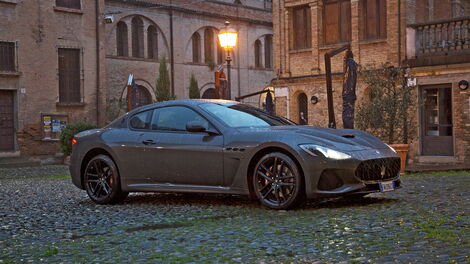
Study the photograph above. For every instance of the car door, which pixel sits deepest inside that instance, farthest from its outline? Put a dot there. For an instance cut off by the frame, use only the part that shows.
(174, 155)
(126, 144)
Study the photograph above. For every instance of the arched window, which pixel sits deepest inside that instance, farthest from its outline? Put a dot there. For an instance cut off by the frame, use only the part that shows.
(208, 45)
(303, 109)
(152, 42)
(258, 54)
(196, 41)
(268, 51)
(137, 37)
(121, 39)
(142, 97)
(209, 94)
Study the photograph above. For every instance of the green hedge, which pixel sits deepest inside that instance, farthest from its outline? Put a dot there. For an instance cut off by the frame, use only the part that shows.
(67, 134)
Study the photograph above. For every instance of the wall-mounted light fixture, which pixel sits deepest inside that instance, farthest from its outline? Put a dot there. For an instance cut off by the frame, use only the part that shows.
(314, 99)
(463, 85)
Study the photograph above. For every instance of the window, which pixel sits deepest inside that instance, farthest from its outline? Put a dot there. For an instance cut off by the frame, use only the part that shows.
(240, 115)
(69, 76)
(121, 39)
(196, 41)
(7, 56)
(268, 51)
(140, 120)
(68, 3)
(152, 42)
(302, 28)
(375, 19)
(208, 45)
(258, 54)
(137, 37)
(337, 21)
(175, 118)
(303, 109)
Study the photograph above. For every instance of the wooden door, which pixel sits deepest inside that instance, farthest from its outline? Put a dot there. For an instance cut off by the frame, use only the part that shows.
(436, 121)
(7, 128)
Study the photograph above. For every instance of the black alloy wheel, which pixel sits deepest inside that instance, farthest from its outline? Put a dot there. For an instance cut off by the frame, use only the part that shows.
(102, 181)
(277, 181)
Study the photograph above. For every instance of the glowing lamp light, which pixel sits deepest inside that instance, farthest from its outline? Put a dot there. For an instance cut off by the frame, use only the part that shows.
(74, 141)
(228, 37)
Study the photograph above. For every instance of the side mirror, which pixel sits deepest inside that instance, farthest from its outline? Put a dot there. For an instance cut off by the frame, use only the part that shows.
(195, 126)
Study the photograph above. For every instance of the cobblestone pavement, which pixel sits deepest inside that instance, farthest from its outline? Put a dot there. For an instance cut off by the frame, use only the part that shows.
(47, 219)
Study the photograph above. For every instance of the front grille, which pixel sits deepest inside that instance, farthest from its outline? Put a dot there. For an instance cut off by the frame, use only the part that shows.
(378, 169)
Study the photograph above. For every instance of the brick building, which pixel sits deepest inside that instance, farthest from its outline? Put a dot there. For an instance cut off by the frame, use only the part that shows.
(65, 61)
(144, 31)
(430, 36)
(50, 71)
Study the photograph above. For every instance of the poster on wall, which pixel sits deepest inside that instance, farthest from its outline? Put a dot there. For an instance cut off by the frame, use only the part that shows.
(52, 125)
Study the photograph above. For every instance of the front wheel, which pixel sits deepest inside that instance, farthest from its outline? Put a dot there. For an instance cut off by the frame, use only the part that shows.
(277, 181)
(102, 182)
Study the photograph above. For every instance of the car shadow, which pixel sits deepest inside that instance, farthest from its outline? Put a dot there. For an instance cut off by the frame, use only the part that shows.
(193, 199)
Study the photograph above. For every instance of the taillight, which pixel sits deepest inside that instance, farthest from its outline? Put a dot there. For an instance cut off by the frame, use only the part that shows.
(74, 141)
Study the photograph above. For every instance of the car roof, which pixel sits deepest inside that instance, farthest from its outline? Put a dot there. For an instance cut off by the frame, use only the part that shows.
(189, 102)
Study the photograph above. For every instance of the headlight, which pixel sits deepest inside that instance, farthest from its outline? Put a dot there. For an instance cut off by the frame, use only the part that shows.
(391, 148)
(320, 151)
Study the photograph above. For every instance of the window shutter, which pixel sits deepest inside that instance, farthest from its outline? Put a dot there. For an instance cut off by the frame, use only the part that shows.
(345, 20)
(258, 53)
(371, 19)
(331, 29)
(196, 39)
(268, 51)
(7, 56)
(383, 18)
(208, 45)
(121, 39)
(308, 28)
(152, 42)
(69, 76)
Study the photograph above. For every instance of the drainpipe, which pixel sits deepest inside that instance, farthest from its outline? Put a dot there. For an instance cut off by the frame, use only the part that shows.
(399, 32)
(172, 61)
(98, 77)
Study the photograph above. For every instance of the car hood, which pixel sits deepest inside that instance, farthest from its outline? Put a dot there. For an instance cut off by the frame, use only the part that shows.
(348, 140)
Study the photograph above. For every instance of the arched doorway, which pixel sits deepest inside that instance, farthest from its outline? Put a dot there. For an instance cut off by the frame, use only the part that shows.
(303, 109)
(209, 94)
(142, 96)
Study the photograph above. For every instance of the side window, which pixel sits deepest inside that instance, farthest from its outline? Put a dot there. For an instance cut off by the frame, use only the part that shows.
(141, 120)
(175, 118)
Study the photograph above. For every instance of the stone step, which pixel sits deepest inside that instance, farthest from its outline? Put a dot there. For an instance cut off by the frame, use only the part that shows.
(17, 162)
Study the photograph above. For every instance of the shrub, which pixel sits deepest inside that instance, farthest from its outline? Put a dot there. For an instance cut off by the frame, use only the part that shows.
(163, 82)
(193, 88)
(386, 111)
(67, 134)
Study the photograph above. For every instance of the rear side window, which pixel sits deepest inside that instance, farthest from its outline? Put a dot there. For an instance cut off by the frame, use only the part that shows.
(175, 118)
(141, 120)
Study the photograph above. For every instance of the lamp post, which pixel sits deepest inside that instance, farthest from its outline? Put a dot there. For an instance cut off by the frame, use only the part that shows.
(228, 40)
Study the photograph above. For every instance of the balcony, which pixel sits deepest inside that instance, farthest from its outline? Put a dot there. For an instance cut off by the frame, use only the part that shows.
(439, 42)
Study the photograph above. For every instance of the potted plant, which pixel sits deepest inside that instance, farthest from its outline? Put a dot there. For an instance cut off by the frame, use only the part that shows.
(386, 107)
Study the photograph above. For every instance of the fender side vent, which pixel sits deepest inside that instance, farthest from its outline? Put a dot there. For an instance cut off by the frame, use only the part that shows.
(348, 136)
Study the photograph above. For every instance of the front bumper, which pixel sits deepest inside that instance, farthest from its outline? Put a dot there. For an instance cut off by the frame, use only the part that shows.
(361, 174)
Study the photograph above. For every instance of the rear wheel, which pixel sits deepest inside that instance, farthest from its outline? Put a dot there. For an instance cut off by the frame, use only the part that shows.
(277, 181)
(102, 181)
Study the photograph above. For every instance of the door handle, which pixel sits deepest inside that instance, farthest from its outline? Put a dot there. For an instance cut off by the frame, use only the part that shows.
(149, 142)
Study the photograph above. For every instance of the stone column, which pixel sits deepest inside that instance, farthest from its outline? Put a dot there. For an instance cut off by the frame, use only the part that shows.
(316, 11)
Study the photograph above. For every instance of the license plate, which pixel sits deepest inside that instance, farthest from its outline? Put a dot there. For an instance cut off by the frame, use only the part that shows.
(386, 186)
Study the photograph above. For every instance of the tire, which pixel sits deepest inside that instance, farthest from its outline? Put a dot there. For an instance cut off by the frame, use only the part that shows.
(102, 181)
(277, 182)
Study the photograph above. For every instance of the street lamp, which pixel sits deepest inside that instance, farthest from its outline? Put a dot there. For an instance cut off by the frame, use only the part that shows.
(228, 41)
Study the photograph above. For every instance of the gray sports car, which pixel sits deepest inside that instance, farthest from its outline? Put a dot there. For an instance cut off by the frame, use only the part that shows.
(218, 146)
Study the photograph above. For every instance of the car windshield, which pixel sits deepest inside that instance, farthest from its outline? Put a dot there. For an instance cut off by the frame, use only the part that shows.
(241, 115)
